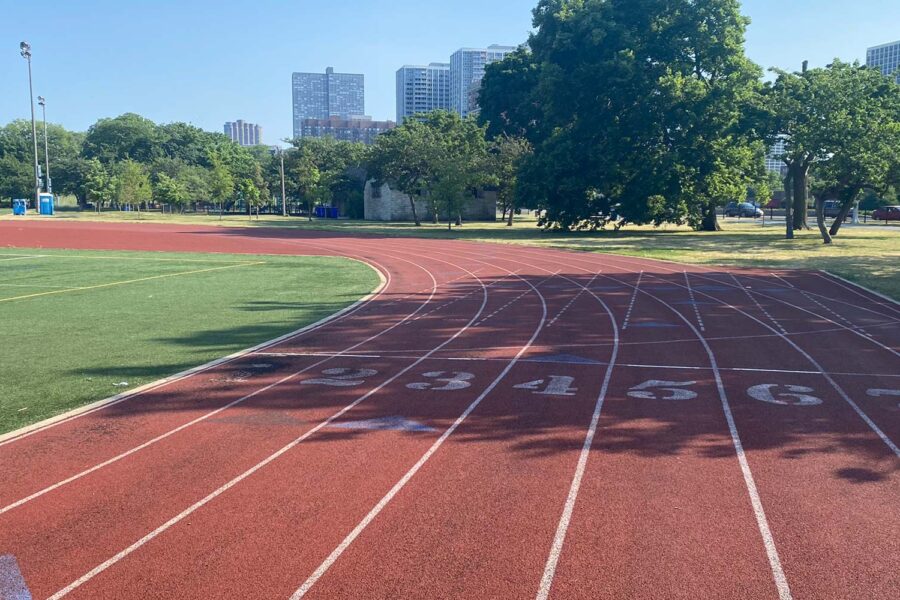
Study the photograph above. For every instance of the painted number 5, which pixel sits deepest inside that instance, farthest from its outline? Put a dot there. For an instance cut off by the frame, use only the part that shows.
(794, 395)
(648, 390)
(457, 380)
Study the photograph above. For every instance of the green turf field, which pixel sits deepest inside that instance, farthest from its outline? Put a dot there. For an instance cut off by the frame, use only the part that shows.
(79, 326)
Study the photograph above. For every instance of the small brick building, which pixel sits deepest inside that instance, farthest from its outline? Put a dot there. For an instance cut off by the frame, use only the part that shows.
(381, 203)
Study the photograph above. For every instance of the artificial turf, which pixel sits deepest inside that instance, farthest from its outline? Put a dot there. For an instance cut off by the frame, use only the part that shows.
(79, 326)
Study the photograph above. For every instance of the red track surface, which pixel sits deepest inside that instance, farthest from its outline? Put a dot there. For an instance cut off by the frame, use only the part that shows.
(729, 483)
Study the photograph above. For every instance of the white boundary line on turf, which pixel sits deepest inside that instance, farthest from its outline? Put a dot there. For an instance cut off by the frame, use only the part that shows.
(29, 430)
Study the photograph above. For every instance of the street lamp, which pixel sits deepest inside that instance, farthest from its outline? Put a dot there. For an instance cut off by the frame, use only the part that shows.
(25, 51)
(43, 102)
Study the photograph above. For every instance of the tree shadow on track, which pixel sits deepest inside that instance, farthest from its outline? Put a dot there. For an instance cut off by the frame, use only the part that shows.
(503, 420)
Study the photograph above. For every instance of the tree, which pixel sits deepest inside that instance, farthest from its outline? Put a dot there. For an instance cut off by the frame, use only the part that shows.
(400, 159)
(640, 111)
(506, 156)
(132, 184)
(221, 183)
(169, 190)
(841, 124)
(250, 194)
(99, 184)
(317, 167)
(125, 136)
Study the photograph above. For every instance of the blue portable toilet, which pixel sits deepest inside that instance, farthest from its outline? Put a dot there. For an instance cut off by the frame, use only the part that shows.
(45, 202)
(19, 206)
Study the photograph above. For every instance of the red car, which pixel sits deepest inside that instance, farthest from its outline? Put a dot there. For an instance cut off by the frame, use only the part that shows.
(887, 213)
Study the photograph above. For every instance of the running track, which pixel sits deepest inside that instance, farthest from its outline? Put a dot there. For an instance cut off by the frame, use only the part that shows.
(494, 422)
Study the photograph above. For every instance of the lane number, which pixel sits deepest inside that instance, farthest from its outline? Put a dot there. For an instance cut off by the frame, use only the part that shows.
(649, 390)
(877, 393)
(457, 380)
(559, 385)
(793, 395)
(341, 377)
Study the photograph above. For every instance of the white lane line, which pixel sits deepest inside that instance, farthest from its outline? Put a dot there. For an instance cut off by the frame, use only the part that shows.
(891, 304)
(758, 305)
(23, 257)
(631, 304)
(345, 543)
(221, 490)
(206, 416)
(694, 301)
(569, 507)
(570, 302)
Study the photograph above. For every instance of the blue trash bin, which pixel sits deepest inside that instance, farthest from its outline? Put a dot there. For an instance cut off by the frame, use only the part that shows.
(320, 212)
(19, 206)
(45, 202)
(332, 212)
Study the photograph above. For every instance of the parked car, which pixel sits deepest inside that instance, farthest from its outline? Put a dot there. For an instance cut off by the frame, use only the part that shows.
(886, 213)
(742, 209)
(833, 209)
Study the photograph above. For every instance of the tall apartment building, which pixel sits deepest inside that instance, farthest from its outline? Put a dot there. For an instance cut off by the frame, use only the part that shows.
(363, 129)
(885, 57)
(326, 95)
(422, 89)
(245, 134)
(774, 163)
(466, 72)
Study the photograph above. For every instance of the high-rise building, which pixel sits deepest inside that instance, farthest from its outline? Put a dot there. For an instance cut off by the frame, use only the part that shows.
(349, 130)
(245, 134)
(774, 163)
(885, 57)
(422, 89)
(326, 95)
(466, 71)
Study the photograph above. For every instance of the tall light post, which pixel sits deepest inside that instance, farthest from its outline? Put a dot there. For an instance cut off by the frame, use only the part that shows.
(25, 50)
(49, 185)
(283, 200)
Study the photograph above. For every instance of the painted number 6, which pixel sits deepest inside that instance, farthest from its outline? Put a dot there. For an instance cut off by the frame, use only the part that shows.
(795, 395)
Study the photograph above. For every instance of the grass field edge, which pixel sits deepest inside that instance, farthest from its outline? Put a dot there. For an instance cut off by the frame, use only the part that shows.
(28, 430)
(861, 286)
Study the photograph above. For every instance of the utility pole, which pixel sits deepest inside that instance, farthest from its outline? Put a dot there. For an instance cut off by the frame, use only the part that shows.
(25, 51)
(283, 200)
(48, 184)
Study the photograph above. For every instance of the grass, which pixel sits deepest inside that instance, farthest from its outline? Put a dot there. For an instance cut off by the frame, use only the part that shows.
(868, 255)
(81, 326)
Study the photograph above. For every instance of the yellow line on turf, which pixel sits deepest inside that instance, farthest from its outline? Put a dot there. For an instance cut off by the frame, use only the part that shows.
(115, 283)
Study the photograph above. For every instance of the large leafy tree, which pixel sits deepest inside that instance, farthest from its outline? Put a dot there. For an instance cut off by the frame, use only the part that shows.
(126, 136)
(640, 111)
(841, 124)
(133, 184)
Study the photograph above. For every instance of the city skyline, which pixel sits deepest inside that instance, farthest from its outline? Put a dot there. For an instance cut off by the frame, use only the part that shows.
(84, 80)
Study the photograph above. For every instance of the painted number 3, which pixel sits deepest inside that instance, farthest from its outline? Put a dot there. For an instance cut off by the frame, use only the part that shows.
(457, 380)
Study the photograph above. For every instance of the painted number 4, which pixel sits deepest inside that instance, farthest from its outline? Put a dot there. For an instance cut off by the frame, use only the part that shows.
(559, 385)
(652, 390)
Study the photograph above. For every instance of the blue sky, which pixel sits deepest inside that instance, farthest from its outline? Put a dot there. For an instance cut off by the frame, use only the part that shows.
(206, 62)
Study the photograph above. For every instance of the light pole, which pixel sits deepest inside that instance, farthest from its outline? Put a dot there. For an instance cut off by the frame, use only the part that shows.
(283, 201)
(25, 50)
(49, 185)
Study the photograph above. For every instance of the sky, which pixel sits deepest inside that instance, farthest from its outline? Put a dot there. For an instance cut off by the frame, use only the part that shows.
(206, 62)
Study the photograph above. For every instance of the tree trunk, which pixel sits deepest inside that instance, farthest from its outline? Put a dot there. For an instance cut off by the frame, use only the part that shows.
(820, 219)
(458, 219)
(846, 207)
(710, 218)
(800, 180)
(510, 220)
(415, 213)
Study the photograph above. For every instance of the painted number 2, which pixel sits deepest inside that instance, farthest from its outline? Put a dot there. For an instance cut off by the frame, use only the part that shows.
(649, 390)
(457, 380)
(793, 395)
(560, 385)
(341, 377)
